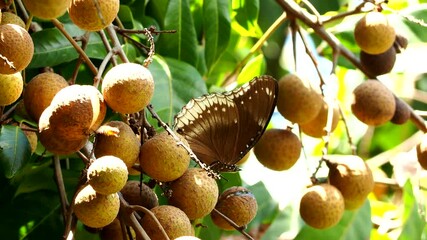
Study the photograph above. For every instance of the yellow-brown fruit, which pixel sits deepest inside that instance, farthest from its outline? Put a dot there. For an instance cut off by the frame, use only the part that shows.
(173, 220)
(11, 86)
(139, 194)
(16, 48)
(73, 112)
(89, 16)
(278, 149)
(195, 193)
(5, 3)
(402, 113)
(40, 91)
(297, 101)
(163, 159)
(32, 139)
(96, 210)
(112, 231)
(244, 159)
(107, 174)
(322, 206)
(11, 18)
(422, 152)
(317, 127)
(124, 145)
(128, 87)
(57, 145)
(374, 34)
(378, 64)
(373, 103)
(352, 176)
(47, 9)
(238, 204)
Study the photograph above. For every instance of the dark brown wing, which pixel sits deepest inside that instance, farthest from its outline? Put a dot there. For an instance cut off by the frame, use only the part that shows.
(224, 127)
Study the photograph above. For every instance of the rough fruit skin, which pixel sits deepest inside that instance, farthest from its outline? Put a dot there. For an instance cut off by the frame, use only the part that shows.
(107, 174)
(402, 113)
(49, 84)
(11, 18)
(374, 34)
(128, 88)
(238, 204)
(378, 64)
(32, 139)
(73, 112)
(86, 15)
(322, 206)
(373, 104)
(297, 101)
(125, 146)
(162, 159)
(195, 193)
(278, 149)
(16, 46)
(112, 231)
(96, 210)
(352, 176)
(316, 127)
(136, 194)
(11, 86)
(173, 220)
(47, 9)
(422, 152)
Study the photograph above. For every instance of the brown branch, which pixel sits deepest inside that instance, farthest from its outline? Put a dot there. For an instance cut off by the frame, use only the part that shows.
(61, 187)
(232, 223)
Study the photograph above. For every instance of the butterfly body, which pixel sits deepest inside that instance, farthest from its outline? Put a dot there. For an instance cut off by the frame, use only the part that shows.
(222, 127)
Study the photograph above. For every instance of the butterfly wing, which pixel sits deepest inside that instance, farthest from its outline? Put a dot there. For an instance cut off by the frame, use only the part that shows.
(255, 102)
(209, 124)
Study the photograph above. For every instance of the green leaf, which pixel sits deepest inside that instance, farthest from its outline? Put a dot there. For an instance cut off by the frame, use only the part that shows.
(176, 82)
(181, 45)
(14, 150)
(353, 225)
(255, 67)
(51, 48)
(413, 224)
(217, 29)
(246, 16)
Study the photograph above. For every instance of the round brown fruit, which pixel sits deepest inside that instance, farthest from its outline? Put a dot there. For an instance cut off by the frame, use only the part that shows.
(402, 112)
(112, 231)
(96, 210)
(107, 174)
(373, 103)
(128, 87)
(11, 18)
(317, 127)
(352, 176)
(49, 84)
(173, 220)
(32, 139)
(374, 34)
(297, 101)
(322, 206)
(11, 86)
(16, 46)
(73, 112)
(278, 149)
(124, 144)
(378, 64)
(163, 159)
(238, 204)
(89, 16)
(195, 193)
(136, 193)
(47, 9)
(422, 152)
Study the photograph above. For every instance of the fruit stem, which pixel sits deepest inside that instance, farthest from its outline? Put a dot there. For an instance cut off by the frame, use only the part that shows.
(232, 223)
(61, 187)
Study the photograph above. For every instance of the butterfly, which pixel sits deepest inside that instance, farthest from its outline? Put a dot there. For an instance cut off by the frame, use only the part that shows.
(222, 127)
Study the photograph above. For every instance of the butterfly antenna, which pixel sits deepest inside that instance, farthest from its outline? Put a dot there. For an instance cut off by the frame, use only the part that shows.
(211, 172)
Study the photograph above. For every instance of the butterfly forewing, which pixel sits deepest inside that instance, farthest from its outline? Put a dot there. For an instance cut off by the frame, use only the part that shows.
(222, 128)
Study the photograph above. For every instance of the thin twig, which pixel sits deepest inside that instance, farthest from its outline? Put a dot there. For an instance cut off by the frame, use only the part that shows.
(61, 187)
(116, 43)
(107, 45)
(232, 223)
(128, 212)
(85, 42)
